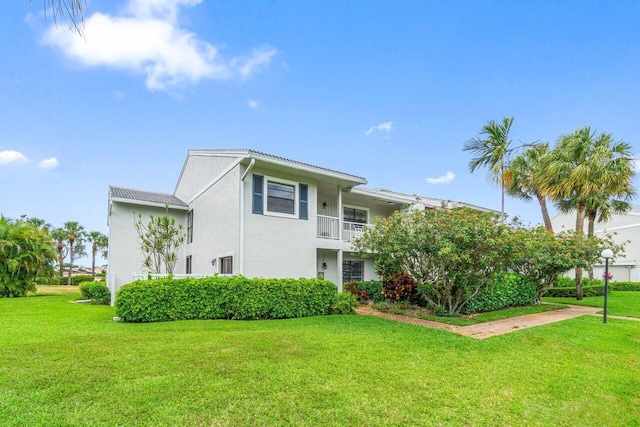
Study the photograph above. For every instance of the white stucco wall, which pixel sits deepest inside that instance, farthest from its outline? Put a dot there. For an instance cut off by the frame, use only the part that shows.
(125, 257)
(216, 224)
(276, 246)
(198, 171)
(623, 228)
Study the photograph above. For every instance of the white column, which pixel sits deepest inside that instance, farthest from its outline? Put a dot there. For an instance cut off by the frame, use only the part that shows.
(339, 262)
(340, 225)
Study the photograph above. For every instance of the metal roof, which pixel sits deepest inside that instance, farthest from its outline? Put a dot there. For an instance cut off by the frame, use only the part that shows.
(249, 152)
(145, 196)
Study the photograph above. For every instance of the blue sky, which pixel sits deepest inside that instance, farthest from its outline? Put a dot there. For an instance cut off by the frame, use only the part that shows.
(386, 90)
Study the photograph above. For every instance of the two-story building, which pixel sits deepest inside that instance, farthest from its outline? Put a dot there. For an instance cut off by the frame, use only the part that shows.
(258, 215)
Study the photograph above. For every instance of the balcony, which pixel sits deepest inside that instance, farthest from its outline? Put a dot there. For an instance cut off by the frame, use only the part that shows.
(329, 228)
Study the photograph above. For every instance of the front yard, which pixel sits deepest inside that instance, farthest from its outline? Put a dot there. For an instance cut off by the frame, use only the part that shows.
(69, 364)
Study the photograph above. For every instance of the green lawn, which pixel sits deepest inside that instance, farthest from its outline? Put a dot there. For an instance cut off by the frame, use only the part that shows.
(67, 364)
(620, 303)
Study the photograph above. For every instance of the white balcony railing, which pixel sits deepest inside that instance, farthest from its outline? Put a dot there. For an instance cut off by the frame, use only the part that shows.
(329, 228)
(352, 230)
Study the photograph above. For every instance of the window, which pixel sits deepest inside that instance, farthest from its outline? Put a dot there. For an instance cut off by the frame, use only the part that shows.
(352, 271)
(281, 198)
(358, 216)
(226, 265)
(190, 226)
(188, 265)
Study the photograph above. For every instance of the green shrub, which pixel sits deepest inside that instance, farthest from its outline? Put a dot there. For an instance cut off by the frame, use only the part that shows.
(564, 282)
(595, 282)
(625, 286)
(97, 292)
(234, 297)
(507, 290)
(366, 291)
(570, 292)
(344, 303)
(76, 280)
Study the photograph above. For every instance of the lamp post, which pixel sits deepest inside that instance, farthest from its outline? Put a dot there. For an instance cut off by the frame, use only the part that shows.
(606, 254)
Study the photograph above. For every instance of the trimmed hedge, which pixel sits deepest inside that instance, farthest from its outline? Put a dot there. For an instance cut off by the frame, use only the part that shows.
(97, 292)
(625, 286)
(570, 291)
(233, 297)
(76, 280)
(508, 290)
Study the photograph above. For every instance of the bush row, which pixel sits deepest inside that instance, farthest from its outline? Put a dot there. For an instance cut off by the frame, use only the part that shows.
(224, 298)
(370, 290)
(97, 292)
(570, 291)
(625, 286)
(508, 290)
(568, 282)
(76, 280)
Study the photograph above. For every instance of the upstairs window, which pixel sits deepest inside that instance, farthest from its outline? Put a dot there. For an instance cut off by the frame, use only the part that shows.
(281, 198)
(359, 216)
(190, 226)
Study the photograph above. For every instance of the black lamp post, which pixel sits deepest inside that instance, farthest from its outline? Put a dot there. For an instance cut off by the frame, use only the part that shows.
(606, 254)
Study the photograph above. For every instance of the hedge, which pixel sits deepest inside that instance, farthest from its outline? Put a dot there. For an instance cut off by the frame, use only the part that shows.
(234, 297)
(97, 292)
(508, 290)
(625, 286)
(76, 280)
(366, 291)
(570, 291)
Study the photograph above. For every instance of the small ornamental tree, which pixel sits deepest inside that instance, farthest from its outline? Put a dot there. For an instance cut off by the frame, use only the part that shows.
(543, 256)
(26, 256)
(451, 253)
(159, 241)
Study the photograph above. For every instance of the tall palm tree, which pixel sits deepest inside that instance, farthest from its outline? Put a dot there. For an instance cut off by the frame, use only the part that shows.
(75, 238)
(98, 242)
(69, 11)
(587, 171)
(60, 239)
(491, 150)
(523, 178)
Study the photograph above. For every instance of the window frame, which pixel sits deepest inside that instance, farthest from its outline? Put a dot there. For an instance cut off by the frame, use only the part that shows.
(221, 264)
(357, 208)
(296, 197)
(351, 262)
(188, 265)
(190, 226)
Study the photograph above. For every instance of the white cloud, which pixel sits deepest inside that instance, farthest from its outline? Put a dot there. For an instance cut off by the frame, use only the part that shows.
(382, 127)
(51, 163)
(11, 157)
(444, 179)
(147, 39)
(253, 104)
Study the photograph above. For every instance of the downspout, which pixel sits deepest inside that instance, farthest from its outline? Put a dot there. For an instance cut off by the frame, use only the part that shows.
(241, 249)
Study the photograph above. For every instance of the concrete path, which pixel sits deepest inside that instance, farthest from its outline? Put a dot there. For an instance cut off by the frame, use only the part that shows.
(496, 327)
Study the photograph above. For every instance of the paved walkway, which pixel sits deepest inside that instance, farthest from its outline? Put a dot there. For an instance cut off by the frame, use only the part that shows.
(496, 327)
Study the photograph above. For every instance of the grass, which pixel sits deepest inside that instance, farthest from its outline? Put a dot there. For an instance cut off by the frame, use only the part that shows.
(69, 365)
(422, 313)
(620, 303)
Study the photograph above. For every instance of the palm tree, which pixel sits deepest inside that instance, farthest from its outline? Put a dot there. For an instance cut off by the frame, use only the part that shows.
(59, 236)
(491, 150)
(70, 11)
(523, 178)
(75, 236)
(588, 171)
(98, 242)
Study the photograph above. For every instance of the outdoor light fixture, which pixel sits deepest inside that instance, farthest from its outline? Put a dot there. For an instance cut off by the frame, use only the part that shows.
(324, 205)
(213, 262)
(606, 254)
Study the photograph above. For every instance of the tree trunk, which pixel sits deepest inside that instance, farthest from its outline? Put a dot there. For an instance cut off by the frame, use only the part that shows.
(70, 263)
(545, 213)
(591, 220)
(580, 208)
(502, 187)
(94, 249)
(61, 263)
